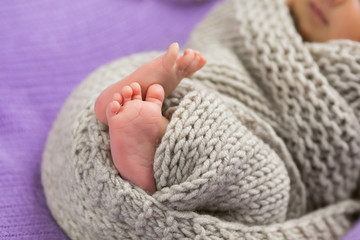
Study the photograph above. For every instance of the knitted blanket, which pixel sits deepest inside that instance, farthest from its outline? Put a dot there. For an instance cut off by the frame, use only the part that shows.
(263, 142)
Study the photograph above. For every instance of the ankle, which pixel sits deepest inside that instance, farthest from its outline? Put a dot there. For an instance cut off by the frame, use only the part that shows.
(164, 124)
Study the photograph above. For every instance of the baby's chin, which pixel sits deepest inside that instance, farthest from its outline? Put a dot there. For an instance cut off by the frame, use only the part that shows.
(307, 33)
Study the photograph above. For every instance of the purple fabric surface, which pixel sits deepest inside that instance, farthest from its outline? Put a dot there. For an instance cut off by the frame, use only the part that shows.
(46, 49)
(354, 234)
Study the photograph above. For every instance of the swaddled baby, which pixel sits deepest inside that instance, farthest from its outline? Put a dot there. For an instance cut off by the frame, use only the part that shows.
(132, 106)
(262, 143)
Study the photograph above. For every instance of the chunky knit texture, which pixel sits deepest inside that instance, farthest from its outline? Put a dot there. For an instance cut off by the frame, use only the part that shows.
(262, 143)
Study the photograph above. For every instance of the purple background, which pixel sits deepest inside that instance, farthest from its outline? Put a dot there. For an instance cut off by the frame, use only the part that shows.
(46, 49)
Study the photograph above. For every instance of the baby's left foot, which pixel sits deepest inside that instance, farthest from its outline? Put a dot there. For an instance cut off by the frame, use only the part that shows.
(134, 127)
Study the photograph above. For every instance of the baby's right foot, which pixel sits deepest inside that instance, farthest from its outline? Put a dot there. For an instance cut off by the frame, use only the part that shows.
(134, 127)
(166, 70)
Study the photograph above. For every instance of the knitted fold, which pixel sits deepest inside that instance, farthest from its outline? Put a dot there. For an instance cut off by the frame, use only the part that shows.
(209, 161)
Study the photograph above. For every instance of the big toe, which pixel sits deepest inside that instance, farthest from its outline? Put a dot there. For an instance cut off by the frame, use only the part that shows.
(155, 94)
(171, 55)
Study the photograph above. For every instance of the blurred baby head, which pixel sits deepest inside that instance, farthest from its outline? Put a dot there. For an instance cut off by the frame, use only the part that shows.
(323, 20)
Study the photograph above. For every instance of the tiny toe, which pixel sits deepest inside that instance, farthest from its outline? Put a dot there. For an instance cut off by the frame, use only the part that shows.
(126, 93)
(117, 97)
(193, 66)
(112, 109)
(155, 94)
(202, 62)
(198, 62)
(136, 91)
(184, 61)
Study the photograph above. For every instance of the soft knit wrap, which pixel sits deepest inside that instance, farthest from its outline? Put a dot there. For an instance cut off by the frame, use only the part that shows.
(263, 142)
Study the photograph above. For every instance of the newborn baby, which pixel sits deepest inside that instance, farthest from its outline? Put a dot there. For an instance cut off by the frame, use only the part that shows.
(132, 106)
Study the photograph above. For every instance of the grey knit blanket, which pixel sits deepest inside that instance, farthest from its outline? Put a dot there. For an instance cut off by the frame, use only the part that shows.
(263, 142)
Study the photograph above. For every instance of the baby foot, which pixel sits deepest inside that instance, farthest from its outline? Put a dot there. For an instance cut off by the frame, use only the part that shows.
(166, 70)
(134, 127)
(178, 67)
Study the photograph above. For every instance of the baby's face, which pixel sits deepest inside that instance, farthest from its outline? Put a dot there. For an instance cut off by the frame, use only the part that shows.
(322, 20)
